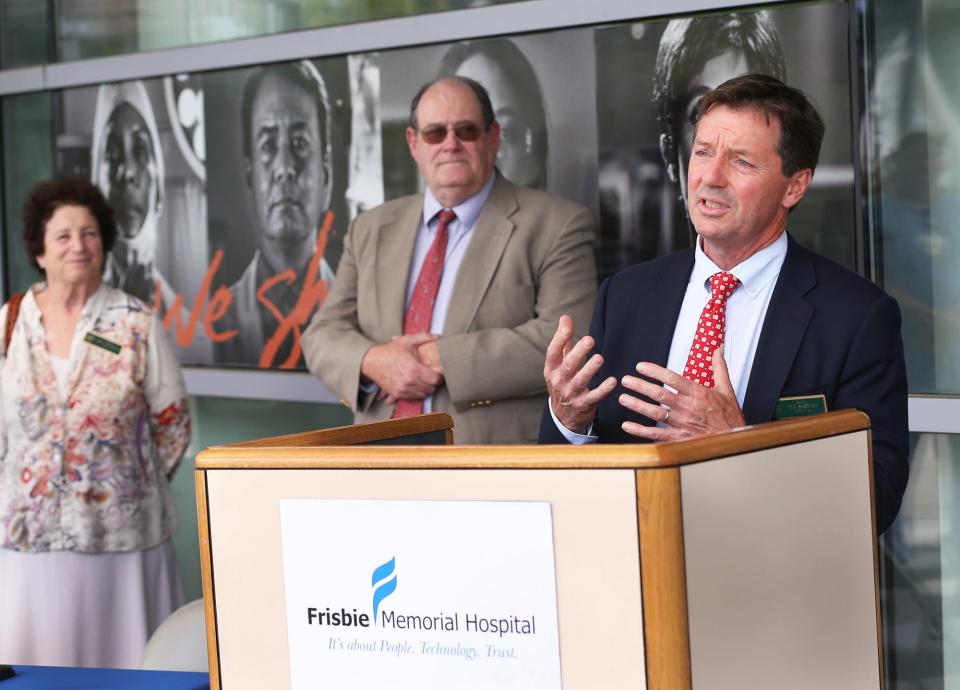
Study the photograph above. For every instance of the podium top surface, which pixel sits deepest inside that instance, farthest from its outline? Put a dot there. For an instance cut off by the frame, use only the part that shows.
(277, 454)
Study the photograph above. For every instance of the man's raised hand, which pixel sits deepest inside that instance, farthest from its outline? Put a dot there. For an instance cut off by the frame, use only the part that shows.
(568, 378)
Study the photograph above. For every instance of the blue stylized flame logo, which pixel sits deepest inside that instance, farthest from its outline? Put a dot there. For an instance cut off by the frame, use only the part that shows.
(383, 587)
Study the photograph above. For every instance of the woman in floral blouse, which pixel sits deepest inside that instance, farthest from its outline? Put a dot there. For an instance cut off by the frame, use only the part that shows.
(94, 421)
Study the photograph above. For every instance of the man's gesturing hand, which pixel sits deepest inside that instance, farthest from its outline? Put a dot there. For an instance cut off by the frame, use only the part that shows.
(395, 368)
(692, 411)
(567, 377)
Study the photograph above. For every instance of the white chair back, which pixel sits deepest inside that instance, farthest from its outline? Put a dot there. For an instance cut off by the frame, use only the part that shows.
(180, 643)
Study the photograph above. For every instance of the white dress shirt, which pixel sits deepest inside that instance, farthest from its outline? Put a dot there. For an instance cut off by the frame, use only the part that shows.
(746, 310)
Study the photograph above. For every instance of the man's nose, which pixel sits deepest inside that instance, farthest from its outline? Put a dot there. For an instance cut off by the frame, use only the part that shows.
(713, 172)
(284, 165)
(126, 172)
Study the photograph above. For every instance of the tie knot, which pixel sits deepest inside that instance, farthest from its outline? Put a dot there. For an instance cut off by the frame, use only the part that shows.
(445, 217)
(722, 285)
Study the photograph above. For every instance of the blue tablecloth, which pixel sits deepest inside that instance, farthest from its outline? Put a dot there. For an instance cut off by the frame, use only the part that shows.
(57, 678)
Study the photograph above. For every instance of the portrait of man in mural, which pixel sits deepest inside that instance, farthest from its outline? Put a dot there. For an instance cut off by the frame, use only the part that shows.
(286, 133)
(696, 55)
(127, 164)
(517, 101)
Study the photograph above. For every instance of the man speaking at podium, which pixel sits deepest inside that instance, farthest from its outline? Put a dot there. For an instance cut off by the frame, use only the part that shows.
(746, 327)
(445, 301)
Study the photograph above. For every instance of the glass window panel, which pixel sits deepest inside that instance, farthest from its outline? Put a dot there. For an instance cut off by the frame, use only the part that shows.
(914, 104)
(95, 29)
(27, 158)
(919, 569)
(23, 33)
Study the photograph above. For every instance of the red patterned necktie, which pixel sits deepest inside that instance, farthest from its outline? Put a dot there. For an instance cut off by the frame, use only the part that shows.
(420, 310)
(710, 330)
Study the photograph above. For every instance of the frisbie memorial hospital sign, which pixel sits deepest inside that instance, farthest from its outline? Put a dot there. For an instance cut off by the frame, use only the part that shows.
(420, 594)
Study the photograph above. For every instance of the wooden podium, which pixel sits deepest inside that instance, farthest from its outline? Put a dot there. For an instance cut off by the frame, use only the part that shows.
(738, 560)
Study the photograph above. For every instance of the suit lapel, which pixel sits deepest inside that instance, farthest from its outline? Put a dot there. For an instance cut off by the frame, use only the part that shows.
(785, 324)
(648, 309)
(482, 257)
(395, 240)
(662, 306)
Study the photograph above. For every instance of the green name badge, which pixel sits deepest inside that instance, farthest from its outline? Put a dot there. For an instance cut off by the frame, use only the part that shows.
(99, 341)
(800, 406)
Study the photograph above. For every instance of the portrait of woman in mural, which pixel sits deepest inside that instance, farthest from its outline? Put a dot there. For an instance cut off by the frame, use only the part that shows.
(517, 101)
(127, 164)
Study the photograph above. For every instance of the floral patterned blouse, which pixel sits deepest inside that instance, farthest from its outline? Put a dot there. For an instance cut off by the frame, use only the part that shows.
(89, 471)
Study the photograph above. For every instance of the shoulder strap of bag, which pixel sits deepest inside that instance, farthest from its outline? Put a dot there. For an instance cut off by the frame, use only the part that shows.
(13, 310)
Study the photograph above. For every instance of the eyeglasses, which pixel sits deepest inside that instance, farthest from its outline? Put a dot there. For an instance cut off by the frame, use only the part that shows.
(435, 135)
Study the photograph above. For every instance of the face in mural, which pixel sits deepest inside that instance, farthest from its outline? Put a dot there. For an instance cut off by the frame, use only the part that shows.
(286, 170)
(132, 175)
(716, 71)
(520, 158)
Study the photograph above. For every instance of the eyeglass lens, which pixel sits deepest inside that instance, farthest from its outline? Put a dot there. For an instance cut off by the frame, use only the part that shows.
(435, 135)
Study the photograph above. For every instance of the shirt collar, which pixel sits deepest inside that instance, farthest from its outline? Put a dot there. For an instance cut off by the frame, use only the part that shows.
(755, 272)
(90, 308)
(467, 211)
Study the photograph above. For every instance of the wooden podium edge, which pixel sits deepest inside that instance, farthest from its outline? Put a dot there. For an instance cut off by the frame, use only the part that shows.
(278, 454)
(357, 433)
(876, 557)
(663, 579)
(762, 436)
(206, 576)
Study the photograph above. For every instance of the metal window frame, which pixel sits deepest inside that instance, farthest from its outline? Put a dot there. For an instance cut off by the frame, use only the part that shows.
(384, 34)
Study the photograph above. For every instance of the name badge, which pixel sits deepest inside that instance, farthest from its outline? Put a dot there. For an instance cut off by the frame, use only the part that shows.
(102, 342)
(800, 406)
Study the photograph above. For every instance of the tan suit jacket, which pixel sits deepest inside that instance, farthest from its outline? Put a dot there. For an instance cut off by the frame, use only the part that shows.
(529, 261)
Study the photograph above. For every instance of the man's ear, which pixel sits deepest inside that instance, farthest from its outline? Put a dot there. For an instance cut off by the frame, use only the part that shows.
(495, 137)
(411, 140)
(327, 183)
(797, 186)
(667, 158)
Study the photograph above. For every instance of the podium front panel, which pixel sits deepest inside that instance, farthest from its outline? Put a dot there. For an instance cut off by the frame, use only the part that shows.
(595, 529)
(780, 568)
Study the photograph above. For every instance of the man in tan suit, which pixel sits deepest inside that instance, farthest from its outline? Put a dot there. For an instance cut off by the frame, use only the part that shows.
(513, 260)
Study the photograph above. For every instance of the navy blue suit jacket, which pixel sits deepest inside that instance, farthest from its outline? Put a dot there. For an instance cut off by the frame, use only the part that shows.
(827, 330)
